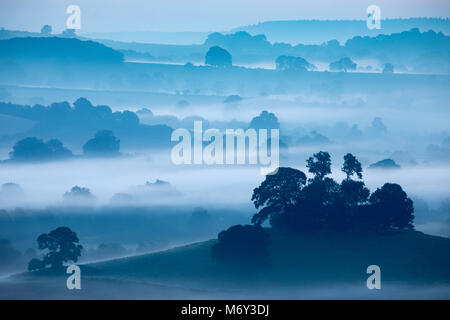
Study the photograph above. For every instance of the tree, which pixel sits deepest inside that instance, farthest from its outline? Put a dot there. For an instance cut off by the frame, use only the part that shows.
(83, 105)
(46, 29)
(354, 193)
(276, 193)
(103, 144)
(70, 33)
(313, 208)
(216, 56)
(352, 166)
(319, 164)
(79, 196)
(284, 63)
(62, 245)
(343, 64)
(377, 126)
(265, 120)
(391, 208)
(130, 119)
(34, 149)
(35, 265)
(388, 68)
(242, 245)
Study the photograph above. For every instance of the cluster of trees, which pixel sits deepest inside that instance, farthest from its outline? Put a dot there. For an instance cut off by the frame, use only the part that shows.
(242, 245)
(76, 124)
(292, 203)
(104, 144)
(408, 47)
(82, 115)
(32, 149)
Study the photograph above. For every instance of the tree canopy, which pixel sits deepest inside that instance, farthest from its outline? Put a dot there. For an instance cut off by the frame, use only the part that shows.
(103, 144)
(352, 166)
(291, 202)
(290, 63)
(343, 64)
(61, 245)
(243, 245)
(34, 149)
(219, 57)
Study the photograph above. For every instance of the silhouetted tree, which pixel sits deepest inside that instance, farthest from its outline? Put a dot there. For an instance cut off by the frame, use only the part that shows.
(276, 193)
(70, 33)
(284, 63)
(219, 57)
(46, 29)
(265, 120)
(343, 64)
(79, 196)
(242, 245)
(130, 118)
(33, 149)
(354, 192)
(35, 265)
(82, 105)
(319, 164)
(391, 208)
(388, 68)
(313, 207)
(103, 144)
(352, 166)
(62, 245)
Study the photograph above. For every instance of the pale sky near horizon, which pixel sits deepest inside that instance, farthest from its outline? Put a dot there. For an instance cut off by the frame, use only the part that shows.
(199, 15)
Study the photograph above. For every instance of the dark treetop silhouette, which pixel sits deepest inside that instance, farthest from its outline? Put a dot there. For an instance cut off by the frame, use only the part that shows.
(293, 203)
(290, 202)
(103, 144)
(62, 245)
(216, 56)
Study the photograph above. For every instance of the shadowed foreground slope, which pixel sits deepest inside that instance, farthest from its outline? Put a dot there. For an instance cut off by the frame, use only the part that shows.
(413, 265)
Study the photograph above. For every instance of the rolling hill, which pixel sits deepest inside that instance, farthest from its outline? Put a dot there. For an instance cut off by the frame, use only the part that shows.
(413, 265)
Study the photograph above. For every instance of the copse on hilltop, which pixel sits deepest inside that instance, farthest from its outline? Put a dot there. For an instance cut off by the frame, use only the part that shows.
(292, 202)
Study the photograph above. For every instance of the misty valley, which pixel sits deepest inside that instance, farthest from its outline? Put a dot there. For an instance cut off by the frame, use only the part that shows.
(259, 162)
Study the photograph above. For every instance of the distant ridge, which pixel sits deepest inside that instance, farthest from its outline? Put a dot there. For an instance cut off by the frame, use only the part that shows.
(319, 31)
(58, 49)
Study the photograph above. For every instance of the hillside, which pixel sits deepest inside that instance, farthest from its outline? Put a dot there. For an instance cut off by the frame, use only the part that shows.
(413, 265)
(57, 49)
(410, 257)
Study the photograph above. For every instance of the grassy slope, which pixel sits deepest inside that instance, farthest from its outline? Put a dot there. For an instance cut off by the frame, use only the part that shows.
(304, 259)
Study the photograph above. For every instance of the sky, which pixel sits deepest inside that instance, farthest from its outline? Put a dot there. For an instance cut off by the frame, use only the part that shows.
(199, 15)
